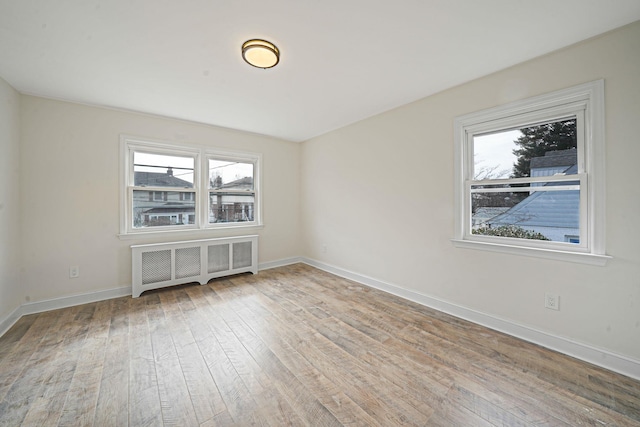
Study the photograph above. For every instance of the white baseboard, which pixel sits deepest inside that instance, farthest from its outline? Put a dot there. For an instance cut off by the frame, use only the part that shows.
(279, 263)
(70, 301)
(10, 320)
(62, 302)
(603, 358)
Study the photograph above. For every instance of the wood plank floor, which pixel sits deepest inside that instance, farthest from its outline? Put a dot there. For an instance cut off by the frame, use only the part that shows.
(290, 346)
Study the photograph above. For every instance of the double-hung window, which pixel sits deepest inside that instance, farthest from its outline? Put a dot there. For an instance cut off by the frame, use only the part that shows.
(530, 176)
(170, 187)
(232, 194)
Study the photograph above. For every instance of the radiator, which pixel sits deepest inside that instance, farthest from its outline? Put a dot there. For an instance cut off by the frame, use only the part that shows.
(167, 264)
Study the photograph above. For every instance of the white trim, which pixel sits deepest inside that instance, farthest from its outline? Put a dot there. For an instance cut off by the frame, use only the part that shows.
(554, 254)
(279, 263)
(586, 102)
(10, 320)
(595, 162)
(196, 233)
(575, 94)
(604, 358)
(73, 300)
(256, 160)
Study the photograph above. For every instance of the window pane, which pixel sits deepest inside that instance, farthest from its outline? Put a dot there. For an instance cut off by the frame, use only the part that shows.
(158, 170)
(541, 215)
(230, 175)
(541, 150)
(231, 207)
(163, 208)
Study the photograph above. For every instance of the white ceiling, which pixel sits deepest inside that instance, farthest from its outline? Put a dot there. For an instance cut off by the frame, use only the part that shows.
(341, 61)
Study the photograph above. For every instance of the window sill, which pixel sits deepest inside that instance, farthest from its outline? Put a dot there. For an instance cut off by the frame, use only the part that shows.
(189, 233)
(577, 257)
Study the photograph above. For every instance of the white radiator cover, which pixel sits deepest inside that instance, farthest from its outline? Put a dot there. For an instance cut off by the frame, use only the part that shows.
(167, 264)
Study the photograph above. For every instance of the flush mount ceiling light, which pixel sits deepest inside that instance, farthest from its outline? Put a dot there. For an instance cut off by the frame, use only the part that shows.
(260, 53)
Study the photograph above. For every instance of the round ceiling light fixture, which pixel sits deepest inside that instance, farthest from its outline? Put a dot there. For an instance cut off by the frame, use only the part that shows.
(260, 53)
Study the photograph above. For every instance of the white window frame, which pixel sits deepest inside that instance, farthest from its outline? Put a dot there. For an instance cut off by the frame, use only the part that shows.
(131, 144)
(586, 103)
(240, 157)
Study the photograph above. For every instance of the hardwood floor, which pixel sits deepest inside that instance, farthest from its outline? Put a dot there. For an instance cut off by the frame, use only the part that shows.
(290, 346)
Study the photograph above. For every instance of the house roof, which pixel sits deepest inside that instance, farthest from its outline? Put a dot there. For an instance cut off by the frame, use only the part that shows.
(241, 184)
(485, 213)
(171, 209)
(559, 209)
(156, 179)
(543, 209)
(246, 181)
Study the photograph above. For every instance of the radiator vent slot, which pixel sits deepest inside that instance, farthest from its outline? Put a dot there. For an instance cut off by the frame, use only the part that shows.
(242, 254)
(187, 262)
(156, 266)
(218, 258)
(166, 264)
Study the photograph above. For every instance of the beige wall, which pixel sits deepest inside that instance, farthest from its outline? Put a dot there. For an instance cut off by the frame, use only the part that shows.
(379, 195)
(69, 181)
(10, 285)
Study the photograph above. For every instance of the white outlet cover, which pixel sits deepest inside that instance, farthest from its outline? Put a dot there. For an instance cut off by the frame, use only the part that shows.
(74, 271)
(552, 301)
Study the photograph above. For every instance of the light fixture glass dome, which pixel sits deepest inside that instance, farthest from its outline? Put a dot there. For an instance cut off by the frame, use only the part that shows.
(260, 53)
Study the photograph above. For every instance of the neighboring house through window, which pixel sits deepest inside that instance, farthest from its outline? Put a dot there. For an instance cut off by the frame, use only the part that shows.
(530, 176)
(170, 187)
(231, 191)
(553, 215)
(162, 207)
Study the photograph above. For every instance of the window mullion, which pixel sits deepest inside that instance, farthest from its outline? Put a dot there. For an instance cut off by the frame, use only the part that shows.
(203, 196)
(586, 238)
(160, 188)
(528, 180)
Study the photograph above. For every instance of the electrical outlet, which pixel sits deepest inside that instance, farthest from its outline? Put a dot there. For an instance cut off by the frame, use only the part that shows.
(552, 301)
(74, 271)
(324, 249)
